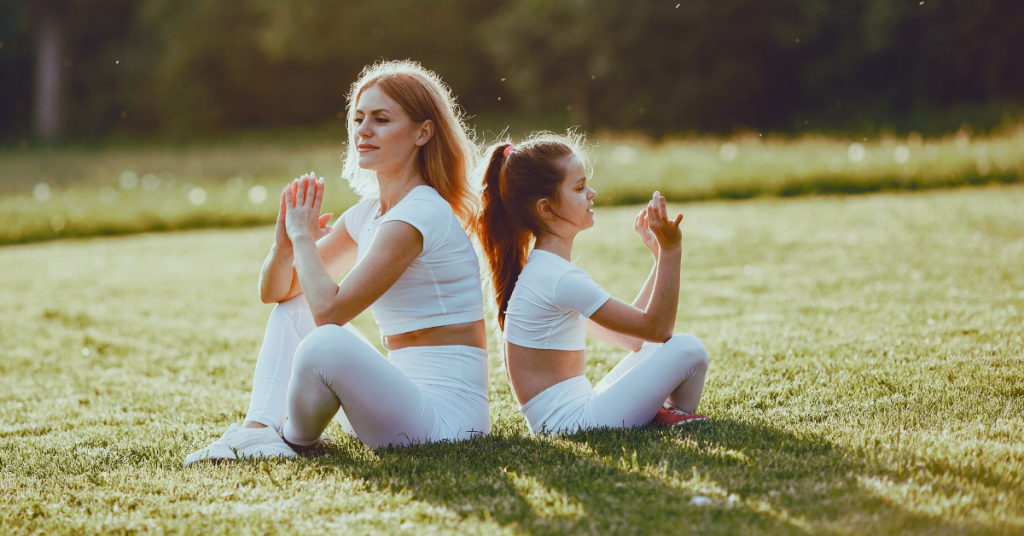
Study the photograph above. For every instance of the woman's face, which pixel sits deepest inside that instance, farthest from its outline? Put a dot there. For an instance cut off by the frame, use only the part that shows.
(386, 139)
(576, 202)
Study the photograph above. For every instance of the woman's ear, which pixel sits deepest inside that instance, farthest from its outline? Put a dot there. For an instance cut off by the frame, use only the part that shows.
(426, 132)
(545, 210)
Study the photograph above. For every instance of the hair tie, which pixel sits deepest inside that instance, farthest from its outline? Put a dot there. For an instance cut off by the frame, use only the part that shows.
(509, 149)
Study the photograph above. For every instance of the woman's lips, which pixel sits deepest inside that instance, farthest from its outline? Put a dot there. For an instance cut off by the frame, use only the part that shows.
(366, 148)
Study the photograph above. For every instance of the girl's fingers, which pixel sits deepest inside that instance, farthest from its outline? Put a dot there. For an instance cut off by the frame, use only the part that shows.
(679, 219)
(284, 208)
(289, 198)
(325, 219)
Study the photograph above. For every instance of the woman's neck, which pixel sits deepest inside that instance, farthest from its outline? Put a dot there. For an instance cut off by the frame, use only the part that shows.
(395, 185)
(559, 245)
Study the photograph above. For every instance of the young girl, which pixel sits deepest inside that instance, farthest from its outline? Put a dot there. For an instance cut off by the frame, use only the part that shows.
(538, 192)
(408, 259)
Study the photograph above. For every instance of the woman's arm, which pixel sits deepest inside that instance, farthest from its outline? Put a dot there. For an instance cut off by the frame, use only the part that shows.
(278, 281)
(656, 321)
(395, 246)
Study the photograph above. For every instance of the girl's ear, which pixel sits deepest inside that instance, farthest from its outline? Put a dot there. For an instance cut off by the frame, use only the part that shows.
(545, 210)
(426, 132)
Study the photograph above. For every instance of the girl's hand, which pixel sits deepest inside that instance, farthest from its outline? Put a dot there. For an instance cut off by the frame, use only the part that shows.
(303, 199)
(665, 231)
(641, 228)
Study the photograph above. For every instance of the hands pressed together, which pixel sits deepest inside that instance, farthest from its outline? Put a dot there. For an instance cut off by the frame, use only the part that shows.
(299, 214)
(655, 229)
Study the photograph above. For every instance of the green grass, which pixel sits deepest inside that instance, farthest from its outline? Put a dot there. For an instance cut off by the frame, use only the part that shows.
(83, 195)
(866, 357)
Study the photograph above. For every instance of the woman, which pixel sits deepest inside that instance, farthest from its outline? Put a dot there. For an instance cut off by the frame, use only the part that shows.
(408, 259)
(538, 192)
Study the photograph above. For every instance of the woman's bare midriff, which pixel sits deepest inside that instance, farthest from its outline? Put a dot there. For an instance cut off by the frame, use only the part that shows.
(467, 334)
(531, 370)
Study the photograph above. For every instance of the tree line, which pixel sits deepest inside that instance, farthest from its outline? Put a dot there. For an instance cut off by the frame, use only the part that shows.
(82, 68)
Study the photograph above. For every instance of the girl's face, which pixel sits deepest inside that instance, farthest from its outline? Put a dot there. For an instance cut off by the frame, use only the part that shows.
(576, 202)
(386, 139)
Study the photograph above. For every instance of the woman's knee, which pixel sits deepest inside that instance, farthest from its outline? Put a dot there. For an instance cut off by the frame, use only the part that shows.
(690, 350)
(324, 346)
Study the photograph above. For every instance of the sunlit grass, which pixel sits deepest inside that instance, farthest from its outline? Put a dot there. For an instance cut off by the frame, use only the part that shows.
(53, 193)
(866, 357)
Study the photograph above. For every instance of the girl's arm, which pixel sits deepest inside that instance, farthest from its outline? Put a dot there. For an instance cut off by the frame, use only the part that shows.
(620, 340)
(656, 321)
(395, 246)
(278, 281)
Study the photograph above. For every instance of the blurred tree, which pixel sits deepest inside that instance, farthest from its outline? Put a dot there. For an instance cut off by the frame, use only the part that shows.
(657, 66)
(714, 65)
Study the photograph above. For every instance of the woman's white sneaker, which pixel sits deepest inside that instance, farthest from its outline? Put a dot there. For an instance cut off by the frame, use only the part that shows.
(240, 443)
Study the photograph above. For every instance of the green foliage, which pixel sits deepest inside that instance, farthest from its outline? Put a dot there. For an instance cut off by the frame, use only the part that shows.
(711, 65)
(865, 379)
(183, 67)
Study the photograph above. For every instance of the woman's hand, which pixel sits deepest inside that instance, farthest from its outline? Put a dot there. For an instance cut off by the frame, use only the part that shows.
(302, 201)
(664, 230)
(281, 240)
(641, 228)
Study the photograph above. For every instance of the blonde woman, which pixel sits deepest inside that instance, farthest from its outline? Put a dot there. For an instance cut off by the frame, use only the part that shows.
(407, 258)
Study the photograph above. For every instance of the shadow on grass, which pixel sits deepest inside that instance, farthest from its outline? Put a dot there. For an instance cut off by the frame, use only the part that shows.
(757, 478)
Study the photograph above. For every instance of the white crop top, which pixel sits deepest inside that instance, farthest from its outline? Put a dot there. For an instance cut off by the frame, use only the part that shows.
(550, 304)
(442, 285)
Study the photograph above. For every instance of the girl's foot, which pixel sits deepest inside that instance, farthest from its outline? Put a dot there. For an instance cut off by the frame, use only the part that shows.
(670, 416)
(240, 443)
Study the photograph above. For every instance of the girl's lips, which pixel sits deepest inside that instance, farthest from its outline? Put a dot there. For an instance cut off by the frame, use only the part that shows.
(366, 148)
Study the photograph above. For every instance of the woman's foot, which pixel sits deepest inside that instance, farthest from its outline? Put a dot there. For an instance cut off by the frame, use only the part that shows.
(670, 416)
(240, 443)
(316, 450)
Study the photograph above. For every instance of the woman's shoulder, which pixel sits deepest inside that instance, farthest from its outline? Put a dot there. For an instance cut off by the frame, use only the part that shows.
(360, 212)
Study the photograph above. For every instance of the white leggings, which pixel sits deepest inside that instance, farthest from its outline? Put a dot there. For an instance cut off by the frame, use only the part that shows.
(423, 393)
(630, 394)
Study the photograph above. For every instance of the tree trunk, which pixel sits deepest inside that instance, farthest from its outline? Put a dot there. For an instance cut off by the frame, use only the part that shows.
(50, 77)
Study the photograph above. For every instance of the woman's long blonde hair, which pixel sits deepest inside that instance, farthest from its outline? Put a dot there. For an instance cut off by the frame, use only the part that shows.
(446, 160)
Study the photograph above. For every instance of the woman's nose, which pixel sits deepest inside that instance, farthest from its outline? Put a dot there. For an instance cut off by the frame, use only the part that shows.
(365, 130)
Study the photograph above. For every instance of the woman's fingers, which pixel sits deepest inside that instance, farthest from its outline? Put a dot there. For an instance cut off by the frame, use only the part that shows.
(325, 219)
(318, 201)
(679, 219)
(289, 195)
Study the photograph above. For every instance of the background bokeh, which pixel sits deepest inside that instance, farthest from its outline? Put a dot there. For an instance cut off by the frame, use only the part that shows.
(93, 69)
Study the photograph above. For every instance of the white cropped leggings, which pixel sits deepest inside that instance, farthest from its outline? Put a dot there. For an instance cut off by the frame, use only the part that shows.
(630, 394)
(313, 374)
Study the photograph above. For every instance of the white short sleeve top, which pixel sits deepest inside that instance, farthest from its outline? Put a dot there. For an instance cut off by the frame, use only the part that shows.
(550, 304)
(442, 285)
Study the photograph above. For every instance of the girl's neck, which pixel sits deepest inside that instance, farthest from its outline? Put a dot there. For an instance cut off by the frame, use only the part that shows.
(558, 245)
(395, 185)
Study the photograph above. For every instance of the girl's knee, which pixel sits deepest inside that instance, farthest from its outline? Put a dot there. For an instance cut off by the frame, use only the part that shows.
(690, 349)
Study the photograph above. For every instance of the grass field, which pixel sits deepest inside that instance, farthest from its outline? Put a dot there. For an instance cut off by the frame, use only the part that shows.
(866, 378)
(55, 192)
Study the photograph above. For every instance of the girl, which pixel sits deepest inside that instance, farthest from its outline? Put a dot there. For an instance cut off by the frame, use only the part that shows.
(408, 259)
(538, 192)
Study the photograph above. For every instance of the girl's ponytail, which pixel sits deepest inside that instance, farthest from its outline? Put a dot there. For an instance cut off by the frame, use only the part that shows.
(505, 242)
(515, 178)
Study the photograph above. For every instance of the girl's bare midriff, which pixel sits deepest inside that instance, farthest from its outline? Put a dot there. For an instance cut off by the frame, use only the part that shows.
(466, 334)
(532, 370)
